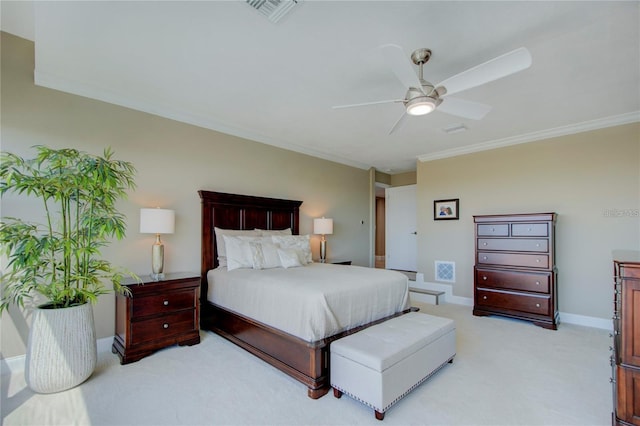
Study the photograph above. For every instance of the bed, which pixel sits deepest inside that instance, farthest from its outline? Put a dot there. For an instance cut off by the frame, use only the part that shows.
(304, 357)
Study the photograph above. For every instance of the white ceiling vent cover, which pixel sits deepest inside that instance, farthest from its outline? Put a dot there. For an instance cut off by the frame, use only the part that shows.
(274, 10)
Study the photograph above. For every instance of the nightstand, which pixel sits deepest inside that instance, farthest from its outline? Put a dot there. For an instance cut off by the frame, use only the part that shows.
(335, 261)
(157, 314)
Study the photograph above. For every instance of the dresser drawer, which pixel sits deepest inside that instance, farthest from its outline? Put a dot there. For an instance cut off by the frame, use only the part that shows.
(522, 281)
(163, 303)
(529, 230)
(519, 244)
(158, 328)
(494, 229)
(532, 304)
(513, 259)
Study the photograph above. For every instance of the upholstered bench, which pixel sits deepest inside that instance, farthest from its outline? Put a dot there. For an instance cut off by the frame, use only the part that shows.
(381, 364)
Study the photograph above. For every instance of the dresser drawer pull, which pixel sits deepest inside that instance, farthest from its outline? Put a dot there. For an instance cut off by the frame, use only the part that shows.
(537, 260)
(537, 282)
(484, 257)
(165, 303)
(484, 244)
(484, 277)
(165, 325)
(484, 297)
(537, 305)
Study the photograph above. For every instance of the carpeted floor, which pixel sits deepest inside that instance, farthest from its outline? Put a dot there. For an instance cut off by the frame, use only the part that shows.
(506, 372)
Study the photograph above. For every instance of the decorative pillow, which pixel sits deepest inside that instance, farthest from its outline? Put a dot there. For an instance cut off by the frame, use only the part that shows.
(268, 232)
(290, 257)
(222, 252)
(300, 242)
(239, 253)
(264, 253)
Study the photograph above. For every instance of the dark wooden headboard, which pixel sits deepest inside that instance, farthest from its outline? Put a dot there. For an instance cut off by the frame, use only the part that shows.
(233, 211)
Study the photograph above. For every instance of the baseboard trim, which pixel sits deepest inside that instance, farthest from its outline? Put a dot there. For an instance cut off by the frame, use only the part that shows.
(15, 364)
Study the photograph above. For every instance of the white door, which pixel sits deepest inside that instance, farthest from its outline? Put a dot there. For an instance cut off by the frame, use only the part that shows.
(401, 224)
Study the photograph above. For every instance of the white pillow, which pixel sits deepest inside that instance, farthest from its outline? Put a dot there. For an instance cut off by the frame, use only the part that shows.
(300, 242)
(290, 257)
(239, 253)
(268, 232)
(264, 252)
(220, 233)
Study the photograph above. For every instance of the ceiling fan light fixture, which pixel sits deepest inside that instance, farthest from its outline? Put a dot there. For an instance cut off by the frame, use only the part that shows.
(420, 106)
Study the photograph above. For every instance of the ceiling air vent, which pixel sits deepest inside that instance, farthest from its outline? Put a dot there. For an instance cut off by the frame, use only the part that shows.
(274, 10)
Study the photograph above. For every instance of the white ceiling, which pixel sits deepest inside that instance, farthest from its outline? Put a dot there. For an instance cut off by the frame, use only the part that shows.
(223, 66)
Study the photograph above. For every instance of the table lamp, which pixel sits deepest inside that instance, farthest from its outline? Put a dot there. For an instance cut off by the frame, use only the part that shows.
(323, 226)
(157, 221)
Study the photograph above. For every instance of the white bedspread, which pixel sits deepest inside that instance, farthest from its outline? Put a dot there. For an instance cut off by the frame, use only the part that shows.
(310, 302)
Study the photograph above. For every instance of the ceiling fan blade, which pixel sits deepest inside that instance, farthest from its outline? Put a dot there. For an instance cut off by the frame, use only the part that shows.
(464, 108)
(400, 65)
(502, 66)
(399, 123)
(367, 103)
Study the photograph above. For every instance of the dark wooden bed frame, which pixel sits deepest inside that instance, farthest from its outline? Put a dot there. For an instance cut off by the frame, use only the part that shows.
(307, 362)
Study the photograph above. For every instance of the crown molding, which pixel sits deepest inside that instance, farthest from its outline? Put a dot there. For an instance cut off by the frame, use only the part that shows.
(600, 123)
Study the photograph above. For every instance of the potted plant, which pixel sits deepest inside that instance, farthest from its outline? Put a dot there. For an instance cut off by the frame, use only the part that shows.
(60, 258)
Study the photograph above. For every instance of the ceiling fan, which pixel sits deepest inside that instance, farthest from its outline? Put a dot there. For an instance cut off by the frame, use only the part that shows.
(422, 97)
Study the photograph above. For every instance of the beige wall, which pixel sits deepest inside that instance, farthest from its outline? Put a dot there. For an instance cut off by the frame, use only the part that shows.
(173, 161)
(592, 180)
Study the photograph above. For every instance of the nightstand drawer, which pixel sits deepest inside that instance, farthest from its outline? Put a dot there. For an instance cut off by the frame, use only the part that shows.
(522, 281)
(162, 327)
(539, 305)
(163, 303)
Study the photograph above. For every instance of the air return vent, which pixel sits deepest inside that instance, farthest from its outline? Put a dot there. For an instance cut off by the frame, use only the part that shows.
(274, 10)
(445, 271)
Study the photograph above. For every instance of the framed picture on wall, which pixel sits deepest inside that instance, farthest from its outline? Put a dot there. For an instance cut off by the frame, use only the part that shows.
(446, 209)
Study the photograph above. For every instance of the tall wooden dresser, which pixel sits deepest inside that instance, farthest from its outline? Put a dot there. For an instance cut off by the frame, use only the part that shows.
(625, 361)
(515, 271)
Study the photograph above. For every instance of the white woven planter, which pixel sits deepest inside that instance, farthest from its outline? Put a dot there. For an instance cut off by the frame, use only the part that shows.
(61, 351)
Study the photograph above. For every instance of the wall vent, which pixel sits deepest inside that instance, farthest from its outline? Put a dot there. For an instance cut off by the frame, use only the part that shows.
(445, 271)
(274, 10)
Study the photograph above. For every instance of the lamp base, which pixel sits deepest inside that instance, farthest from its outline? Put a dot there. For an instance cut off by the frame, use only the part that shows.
(323, 250)
(157, 259)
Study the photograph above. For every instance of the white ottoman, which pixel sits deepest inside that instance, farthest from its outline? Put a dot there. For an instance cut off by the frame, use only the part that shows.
(380, 364)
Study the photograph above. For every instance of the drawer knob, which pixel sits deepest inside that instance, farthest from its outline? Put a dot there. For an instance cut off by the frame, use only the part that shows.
(537, 282)
(484, 257)
(484, 297)
(493, 229)
(165, 303)
(538, 245)
(537, 260)
(165, 325)
(484, 278)
(537, 305)
(484, 244)
(529, 229)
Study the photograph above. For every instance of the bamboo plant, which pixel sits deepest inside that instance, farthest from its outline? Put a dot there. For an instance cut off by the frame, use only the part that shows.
(60, 258)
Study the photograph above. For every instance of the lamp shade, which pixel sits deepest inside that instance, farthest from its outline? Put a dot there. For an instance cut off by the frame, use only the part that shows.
(157, 221)
(323, 226)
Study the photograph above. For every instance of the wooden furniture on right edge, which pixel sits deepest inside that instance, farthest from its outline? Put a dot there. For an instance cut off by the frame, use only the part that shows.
(515, 272)
(625, 360)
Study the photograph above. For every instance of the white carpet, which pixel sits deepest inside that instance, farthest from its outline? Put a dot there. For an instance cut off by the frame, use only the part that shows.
(505, 372)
